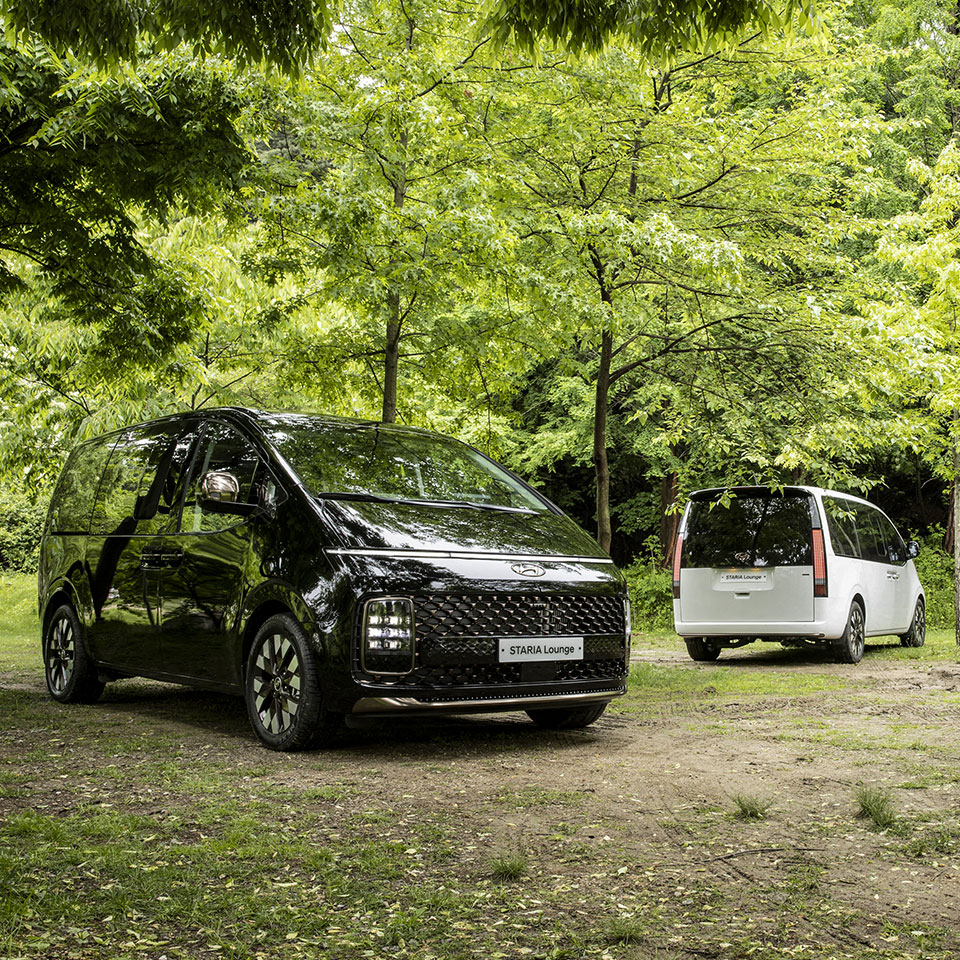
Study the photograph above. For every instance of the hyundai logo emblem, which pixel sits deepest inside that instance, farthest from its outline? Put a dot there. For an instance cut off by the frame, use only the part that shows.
(528, 569)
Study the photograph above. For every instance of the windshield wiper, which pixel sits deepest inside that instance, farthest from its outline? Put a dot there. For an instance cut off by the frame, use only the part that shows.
(460, 504)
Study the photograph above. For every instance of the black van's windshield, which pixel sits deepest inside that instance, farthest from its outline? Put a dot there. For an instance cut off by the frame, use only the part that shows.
(756, 530)
(369, 462)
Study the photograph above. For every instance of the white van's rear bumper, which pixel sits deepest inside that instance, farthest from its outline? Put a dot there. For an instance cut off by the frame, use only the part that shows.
(827, 626)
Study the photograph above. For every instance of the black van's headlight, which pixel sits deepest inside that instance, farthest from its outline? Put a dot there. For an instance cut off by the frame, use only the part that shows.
(387, 640)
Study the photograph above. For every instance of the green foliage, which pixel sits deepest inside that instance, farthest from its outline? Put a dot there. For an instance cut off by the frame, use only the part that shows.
(281, 32)
(509, 866)
(651, 591)
(660, 32)
(935, 569)
(21, 526)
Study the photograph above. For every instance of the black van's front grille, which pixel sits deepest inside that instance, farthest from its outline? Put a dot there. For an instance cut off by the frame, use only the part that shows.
(516, 615)
(487, 674)
(458, 640)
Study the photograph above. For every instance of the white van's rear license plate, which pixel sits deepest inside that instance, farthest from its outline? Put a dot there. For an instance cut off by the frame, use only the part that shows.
(532, 649)
(745, 577)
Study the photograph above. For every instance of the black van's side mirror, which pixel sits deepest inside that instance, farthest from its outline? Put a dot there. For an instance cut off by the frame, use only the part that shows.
(913, 550)
(219, 491)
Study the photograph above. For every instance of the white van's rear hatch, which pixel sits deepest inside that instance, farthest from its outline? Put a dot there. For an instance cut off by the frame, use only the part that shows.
(749, 561)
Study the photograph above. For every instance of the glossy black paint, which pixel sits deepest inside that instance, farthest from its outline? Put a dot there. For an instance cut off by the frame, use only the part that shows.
(161, 598)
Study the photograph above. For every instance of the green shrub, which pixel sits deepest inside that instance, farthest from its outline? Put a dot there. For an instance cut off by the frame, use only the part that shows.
(651, 596)
(21, 525)
(935, 568)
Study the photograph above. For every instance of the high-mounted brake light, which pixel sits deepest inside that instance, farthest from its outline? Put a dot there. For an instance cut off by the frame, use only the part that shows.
(819, 564)
(677, 563)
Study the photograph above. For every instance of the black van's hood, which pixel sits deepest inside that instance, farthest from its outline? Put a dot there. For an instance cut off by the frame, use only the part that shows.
(450, 529)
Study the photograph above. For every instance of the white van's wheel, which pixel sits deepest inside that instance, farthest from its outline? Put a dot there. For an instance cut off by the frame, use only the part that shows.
(849, 647)
(702, 649)
(917, 633)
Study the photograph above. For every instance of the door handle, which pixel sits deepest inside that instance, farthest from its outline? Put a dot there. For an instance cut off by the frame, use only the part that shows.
(151, 560)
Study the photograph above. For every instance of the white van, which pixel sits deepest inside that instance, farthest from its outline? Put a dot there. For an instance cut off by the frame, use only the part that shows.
(795, 565)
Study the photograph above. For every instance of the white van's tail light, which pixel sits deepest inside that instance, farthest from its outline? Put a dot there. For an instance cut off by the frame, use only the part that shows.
(387, 643)
(819, 564)
(677, 561)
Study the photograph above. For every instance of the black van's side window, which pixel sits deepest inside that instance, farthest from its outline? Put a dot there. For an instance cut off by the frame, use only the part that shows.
(137, 492)
(73, 500)
(221, 450)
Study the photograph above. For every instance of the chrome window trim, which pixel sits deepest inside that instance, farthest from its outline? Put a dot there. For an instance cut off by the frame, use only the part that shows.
(459, 555)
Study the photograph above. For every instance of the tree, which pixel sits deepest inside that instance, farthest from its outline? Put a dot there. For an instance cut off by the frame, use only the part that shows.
(661, 31)
(285, 33)
(382, 193)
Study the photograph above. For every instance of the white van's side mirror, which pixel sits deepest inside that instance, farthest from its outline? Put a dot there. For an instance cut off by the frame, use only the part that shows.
(913, 550)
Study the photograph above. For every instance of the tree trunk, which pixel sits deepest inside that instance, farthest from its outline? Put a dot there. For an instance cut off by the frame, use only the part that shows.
(669, 522)
(956, 540)
(391, 363)
(600, 464)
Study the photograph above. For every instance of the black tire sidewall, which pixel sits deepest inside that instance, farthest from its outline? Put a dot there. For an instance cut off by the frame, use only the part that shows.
(83, 685)
(307, 723)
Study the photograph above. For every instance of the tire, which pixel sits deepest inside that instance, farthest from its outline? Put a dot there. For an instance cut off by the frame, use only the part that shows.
(849, 647)
(570, 718)
(702, 649)
(281, 688)
(70, 673)
(917, 633)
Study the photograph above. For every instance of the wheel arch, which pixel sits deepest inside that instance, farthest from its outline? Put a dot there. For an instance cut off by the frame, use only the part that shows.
(266, 601)
(63, 591)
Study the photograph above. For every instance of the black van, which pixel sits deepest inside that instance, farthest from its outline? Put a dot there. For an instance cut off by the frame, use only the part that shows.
(324, 568)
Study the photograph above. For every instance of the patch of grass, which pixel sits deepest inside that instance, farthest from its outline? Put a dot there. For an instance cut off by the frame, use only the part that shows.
(509, 866)
(19, 625)
(623, 930)
(538, 797)
(876, 804)
(750, 807)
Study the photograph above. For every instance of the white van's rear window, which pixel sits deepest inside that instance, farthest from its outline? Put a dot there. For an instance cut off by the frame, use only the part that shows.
(763, 530)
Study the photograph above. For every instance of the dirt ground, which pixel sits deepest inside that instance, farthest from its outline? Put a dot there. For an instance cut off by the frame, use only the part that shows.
(636, 816)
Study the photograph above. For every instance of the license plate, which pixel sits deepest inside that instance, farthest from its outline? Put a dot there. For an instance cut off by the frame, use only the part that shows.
(532, 649)
(745, 577)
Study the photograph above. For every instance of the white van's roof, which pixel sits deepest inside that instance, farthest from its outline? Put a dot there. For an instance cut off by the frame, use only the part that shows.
(710, 493)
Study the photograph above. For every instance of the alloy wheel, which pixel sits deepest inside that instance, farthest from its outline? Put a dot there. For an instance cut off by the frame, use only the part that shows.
(61, 654)
(276, 684)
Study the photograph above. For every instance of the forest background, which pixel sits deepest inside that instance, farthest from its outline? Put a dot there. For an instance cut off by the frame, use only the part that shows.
(624, 276)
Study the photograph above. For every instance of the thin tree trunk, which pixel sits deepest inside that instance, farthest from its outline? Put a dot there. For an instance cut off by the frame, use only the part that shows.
(669, 522)
(956, 540)
(391, 363)
(600, 464)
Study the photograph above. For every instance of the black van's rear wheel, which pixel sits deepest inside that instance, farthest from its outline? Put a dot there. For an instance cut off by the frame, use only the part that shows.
(70, 673)
(570, 718)
(917, 633)
(281, 687)
(702, 649)
(849, 647)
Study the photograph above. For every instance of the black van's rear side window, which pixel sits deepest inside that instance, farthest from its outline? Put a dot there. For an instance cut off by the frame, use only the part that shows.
(753, 531)
(73, 499)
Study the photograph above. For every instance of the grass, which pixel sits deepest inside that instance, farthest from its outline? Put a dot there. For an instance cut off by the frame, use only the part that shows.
(152, 824)
(877, 805)
(509, 866)
(750, 808)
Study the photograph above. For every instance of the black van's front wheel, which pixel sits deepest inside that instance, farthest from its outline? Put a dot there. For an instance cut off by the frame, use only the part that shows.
(281, 687)
(70, 673)
(849, 648)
